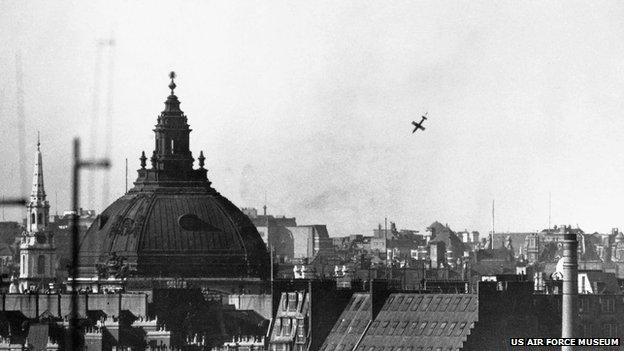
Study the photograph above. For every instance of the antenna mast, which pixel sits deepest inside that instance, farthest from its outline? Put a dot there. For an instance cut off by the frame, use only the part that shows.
(126, 175)
(549, 211)
(492, 235)
(108, 137)
(95, 117)
(21, 148)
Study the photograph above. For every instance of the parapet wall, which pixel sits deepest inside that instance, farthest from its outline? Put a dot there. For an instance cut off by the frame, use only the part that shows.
(58, 305)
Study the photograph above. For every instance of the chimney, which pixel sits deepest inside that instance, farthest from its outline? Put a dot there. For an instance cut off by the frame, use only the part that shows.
(569, 309)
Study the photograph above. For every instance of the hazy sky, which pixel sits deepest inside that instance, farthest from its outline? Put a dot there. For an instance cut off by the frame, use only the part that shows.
(311, 102)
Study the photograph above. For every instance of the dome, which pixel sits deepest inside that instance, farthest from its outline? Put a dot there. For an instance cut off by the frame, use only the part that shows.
(172, 223)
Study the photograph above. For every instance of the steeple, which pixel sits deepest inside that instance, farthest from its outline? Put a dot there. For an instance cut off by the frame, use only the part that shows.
(37, 248)
(38, 191)
(38, 206)
(171, 160)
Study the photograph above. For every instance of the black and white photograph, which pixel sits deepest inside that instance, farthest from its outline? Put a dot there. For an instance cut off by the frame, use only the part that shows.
(358, 175)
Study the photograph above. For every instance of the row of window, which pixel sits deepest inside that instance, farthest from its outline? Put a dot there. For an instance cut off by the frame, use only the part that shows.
(431, 303)
(286, 327)
(418, 328)
(354, 326)
(607, 304)
(359, 300)
(407, 348)
(290, 301)
(607, 330)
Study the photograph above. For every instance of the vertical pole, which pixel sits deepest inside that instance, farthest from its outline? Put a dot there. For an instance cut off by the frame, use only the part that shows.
(126, 175)
(492, 235)
(108, 136)
(569, 308)
(73, 323)
(21, 148)
(549, 210)
(95, 119)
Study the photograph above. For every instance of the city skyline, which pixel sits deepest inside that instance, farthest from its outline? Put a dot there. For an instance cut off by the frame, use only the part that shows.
(312, 105)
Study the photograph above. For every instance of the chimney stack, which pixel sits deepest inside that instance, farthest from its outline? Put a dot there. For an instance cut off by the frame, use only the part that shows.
(569, 309)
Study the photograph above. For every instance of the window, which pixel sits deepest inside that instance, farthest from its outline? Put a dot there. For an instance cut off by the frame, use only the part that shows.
(401, 329)
(32, 219)
(608, 305)
(39, 218)
(425, 303)
(432, 326)
(440, 329)
(460, 330)
(416, 303)
(393, 328)
(23, 264)
(278, 326)
(292, 301)
(445, 304)
(383, 327)
(397, 303)
(358, 302)
(343, 326)
(436, 303)
(353, 326)
(450, 330)
(388, 303)
(456, 302)
(375, 328)
(610, 330)
(41, 264)
(172, 144)
(421, 328)
(465, 303)
(581, 304)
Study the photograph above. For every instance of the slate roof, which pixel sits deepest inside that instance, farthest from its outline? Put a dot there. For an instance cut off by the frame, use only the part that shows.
(408, 322)
(351, 325)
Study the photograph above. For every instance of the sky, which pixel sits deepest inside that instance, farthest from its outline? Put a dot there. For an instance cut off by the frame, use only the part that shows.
(310, 104)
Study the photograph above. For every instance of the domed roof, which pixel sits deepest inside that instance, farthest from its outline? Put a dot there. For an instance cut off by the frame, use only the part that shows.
(173, 223)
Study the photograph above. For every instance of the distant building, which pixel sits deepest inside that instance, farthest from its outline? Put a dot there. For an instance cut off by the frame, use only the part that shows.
(453, 244)
(309, 240)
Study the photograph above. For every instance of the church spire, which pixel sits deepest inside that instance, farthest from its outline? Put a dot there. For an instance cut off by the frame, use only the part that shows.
(38, 191)
(37, 208)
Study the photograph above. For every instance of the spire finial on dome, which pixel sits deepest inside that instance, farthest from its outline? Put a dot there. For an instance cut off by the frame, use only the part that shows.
(143, 159)
(201, 159)
(172, 85)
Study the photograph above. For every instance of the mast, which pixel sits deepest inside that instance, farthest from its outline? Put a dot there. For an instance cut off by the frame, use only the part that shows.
(126, 175)
(21, 148)
(549, 210)
(492, 235)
